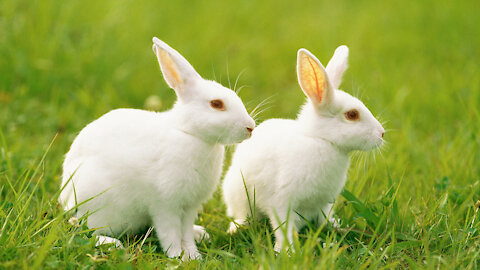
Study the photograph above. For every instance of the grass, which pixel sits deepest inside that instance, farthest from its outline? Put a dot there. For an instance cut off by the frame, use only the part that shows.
(414, 64)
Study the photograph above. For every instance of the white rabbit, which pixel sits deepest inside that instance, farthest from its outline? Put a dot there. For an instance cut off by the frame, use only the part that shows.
(300, 166)
(133, 168)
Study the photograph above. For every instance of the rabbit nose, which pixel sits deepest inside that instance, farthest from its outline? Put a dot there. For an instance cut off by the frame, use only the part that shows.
(383, 133)
(250, 130)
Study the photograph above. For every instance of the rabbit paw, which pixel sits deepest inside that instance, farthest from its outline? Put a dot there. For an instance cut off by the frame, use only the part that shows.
(174, 252)
(335, 222)
(199, 233)
(191, 254)
(233, 228)
(105, 240)
(234, 225)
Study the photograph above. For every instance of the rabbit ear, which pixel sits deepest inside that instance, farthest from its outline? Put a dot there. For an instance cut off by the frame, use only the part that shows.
(175, 68)
(313, 78)
(337, 66)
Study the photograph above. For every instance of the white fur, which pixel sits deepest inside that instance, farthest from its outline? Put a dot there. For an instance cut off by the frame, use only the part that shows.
(300, 166)
(130, 168)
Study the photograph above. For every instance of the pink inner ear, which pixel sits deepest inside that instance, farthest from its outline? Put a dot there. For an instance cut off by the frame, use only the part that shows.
(312, 78)
(318, 89)
(169, 68)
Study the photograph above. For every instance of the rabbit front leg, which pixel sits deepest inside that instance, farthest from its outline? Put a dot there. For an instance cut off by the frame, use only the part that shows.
(168, 226)
(188, 240)
(283, 222)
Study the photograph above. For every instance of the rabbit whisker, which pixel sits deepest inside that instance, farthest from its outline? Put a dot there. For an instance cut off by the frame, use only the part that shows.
(228, 75)
(236, 81)
(264, 102)
(240, 88)
(214, 75)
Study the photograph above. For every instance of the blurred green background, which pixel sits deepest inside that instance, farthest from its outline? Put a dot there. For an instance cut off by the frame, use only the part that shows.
(415, 64)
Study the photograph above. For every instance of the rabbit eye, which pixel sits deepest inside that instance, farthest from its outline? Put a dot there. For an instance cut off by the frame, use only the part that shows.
(217, 104)
(352, 115)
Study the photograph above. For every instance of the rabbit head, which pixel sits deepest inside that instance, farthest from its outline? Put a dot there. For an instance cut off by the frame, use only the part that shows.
(333, 114)
(205, 109)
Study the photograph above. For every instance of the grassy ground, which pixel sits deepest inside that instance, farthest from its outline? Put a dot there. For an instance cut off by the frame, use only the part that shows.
(414, 63)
